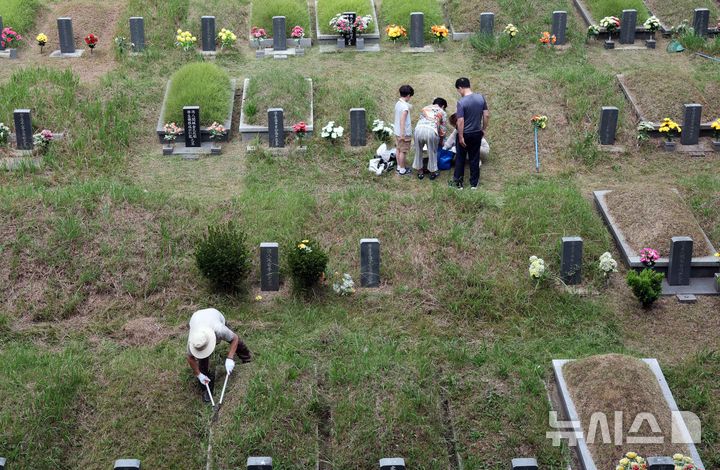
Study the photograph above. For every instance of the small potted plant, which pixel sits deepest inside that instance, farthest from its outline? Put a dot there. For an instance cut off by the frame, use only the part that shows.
(172, 131)
(440, 33)
(226, 38)
(611, 24)
(651, 25)
(547, 39)
(258, 34)
(185, 40)
(361, 25)
(91, 40)
(41, 39)
(298, 33)
(300, 129)
(671, 129)
(395, 32)
(341, 25)
(715, 126)
(42, 140)
(4, 134)
(217, 133)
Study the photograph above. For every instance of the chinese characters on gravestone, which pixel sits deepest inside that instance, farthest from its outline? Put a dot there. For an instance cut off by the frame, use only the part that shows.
(691, 125)
(269, 267)
(23, 129)
(137, 33)
(207, 24)
(608, 124)
(369, 262)
(358, 127)
(191, 117)
(276, 128)
(681, 249)
(571, 260)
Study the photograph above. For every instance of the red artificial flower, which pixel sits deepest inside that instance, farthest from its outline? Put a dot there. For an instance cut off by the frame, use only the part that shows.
(91, 40)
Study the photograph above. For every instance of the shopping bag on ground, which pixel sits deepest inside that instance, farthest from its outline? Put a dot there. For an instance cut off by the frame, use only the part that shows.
(445, 159)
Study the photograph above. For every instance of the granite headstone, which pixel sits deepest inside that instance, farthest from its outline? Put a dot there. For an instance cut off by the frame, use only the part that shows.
(524, 464)
(358, 127)
(65, 31)
(608, 124)
(269, 266)
(207, 24)
(628, 23)
(369, 262)
(487, 23)
(571, 260)
(276, 128)
(23, 129)
(351, 38)
(701, 21)
(279, 39)
(660, 463)
(137, 33)
(127, 464)
(559, 26)
(395, 463)
(259, 463)
(691, 125)
(417, 29)
(191, 118)
(681, 249)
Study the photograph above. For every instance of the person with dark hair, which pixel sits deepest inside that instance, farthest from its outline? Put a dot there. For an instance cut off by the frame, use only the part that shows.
(429, 131)
(472, 121)
(403, 128)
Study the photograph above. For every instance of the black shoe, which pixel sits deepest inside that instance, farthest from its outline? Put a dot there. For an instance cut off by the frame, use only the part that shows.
(245, 360)
(434, 175)
(205, 396)
(456, 184)
(421, 174)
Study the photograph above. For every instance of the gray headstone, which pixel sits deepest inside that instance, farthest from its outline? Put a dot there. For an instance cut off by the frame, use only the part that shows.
(571, 260)
(681, 249)
(524, 464)
(392, 464)
(208, 33)
(660, 463)
(701, 20)
(358, 127)
(627, 26)
(279, 39)
(137, 33)
(269, 267)
(65, 30)
(608, 124)
(2, 463)
(191, 118)
(259, 463)
(417, 29)
(1, 28)
(559, 26)
(369, 262)
(23, 129)
(127, 464)
(276, 127)
(487, 23)
(690, 134)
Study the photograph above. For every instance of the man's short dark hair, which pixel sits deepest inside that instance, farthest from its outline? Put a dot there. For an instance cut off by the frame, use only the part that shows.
(440, 102)
(406, 90)
(462, 82)
(453, 119)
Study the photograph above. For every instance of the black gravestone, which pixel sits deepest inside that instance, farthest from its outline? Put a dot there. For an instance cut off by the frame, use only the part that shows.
(392, 464)
(559, 26)
(358, 127)
(207, 29)
(259, 463)
(279, 39)
(23, 129)
(191, 118)
(137, 33)
(690, 134)
(269, 267)
(127, 464)
(571, 260)
(524, 464)
(2, 48)
(276, 128)
(660, 463)
(681, 249)
(701, 20)
(351, 38)
(417, 29)
(369, 262)
(608, 124)
(487, 23)
(627, 26)
(65, 30)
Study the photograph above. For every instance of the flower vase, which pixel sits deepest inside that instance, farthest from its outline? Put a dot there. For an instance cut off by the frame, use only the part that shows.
(717, 282)
(168, 148)
(650, 43)
(609, 44)
(341, 43)
(669, 146)
(299, 50)
(360, 43)
(215, 148)
(716, 145)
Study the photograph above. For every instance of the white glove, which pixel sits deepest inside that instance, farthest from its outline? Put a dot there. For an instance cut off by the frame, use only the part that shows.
(204, 379)
(229, 365)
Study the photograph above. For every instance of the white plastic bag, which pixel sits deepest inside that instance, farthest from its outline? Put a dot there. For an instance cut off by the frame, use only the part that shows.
(376, 166)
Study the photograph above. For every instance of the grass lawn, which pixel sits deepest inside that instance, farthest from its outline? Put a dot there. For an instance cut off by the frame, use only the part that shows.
(289, 91)
(602, 8)
(294, 11)
(398, 12)
(200, 84)
(20, 15)
(673, 13)
(465, 14)
(327, 9)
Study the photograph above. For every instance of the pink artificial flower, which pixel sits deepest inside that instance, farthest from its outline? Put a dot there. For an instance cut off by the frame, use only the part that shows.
(298, 32)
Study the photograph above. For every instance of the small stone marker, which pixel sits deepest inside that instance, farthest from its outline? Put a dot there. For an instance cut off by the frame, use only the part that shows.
(358, 127)
(487, 23)
(417, 29)
(208, 33)
(65, 30)
(369, 262)
(691, 125)
(681, 249)
(395, 463)
(23, 129)
(127, 464)
(701, 19)
(276, 128)
(137, 33)
(279, 39)
(660, 463)
(269, 266)
(608, 124)
(259, 463)
(571, 260)
(524, 464)
(559, 26)
(627, 26)
(191, 118)
(717, 282)
(686, 298)
(2, 463)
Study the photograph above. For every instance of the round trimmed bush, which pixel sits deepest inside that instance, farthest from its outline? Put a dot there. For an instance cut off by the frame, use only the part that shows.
(307, 263)
(199, 84)
(222, 257)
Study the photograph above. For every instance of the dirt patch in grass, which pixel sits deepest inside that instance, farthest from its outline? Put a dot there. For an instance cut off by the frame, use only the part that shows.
(146, 331)
(611, 383)
(650, 217)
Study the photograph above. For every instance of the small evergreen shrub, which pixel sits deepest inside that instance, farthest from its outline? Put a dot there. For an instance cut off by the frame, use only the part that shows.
(307, 263)
(222, 256)
(646, 285)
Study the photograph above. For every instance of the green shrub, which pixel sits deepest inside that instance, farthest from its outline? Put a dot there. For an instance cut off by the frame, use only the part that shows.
(646, 285)
(603, 8)
(307, 262)
(327, 9)
(294, 11)
(398, 12)
(20, 16)
(199, 84)
(222, 256)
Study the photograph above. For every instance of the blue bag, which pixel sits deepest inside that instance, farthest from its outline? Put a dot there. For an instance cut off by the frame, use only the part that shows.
(445, 159)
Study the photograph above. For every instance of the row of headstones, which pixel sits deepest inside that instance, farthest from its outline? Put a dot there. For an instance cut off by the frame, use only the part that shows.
(276, 127)
(681, 249)
(690, 129)
(559, 25)
(701, 23)
(369, 264)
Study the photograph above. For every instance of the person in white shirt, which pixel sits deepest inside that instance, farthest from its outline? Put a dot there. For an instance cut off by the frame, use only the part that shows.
(403, 128)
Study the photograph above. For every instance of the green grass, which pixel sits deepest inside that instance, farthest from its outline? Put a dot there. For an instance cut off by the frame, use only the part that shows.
(20, 15)
(398, 12)
(199, 84)
(602, 8)
(294, 11)
(327, 9)
(288, 90)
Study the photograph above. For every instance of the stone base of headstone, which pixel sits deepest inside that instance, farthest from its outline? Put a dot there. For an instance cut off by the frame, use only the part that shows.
(650, 43)
(716, 145)
(612, 148)
(191, 153)
(698, 286)
(215, 149)
(280, 56)
(299, 51)
(8, 54)
(208, 54)
(609, 45)
(271, 53)
(340, 43)
(73, 55)
(686, 298)
(415, 50)
(332, 49)
(360, 43)
(168, 149)
(260, 53)
(669, 146)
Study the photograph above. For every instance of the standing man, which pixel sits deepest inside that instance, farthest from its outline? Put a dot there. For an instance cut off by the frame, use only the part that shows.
(472, 121)
(403, 128)
(206, 328)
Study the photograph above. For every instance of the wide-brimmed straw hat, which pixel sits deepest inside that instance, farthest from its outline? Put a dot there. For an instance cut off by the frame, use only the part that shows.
(201, 342)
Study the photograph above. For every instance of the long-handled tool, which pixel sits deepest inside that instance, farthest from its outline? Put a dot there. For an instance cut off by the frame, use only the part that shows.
(207, 386)
(222, 395)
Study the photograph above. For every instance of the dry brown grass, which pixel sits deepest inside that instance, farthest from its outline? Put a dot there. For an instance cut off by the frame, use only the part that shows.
(465, 14)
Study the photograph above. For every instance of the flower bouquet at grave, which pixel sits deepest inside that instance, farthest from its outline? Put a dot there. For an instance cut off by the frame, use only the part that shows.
(715, 126)
(91, 40)
(631, 461)
(670, 128)
(332, 132)
(185, 40)
(172, 131)
(395, 32)
(362, 23)
(341, 25)
(683, 462)
(300, 129)
(607, 265)
(536, 269)
(547, 39)
(593, 31)
(226, 38)
(611, 24)
(122, 44)
(539, 122)
(217, 131)
(643, 129)
(381, 131)
(4, 134)
(510, 30)
(649, 256)
(42, 139)
(439, 32)
(8, 36)
(343, 285)
(258, 34)
(41, 39)
(652, 24)
(297, 33)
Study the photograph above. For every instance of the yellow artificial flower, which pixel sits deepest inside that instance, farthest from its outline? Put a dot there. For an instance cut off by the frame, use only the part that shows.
(619, 467)
(306, 241)
(717, 255)
(631, 455)
(715, 125)
(179, 31)
(258, 298)
(302, 246)
(624, 461)
(41, 38)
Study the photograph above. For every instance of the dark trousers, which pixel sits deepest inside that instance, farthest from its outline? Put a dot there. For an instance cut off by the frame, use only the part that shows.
(242, 353)
(471, 152)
